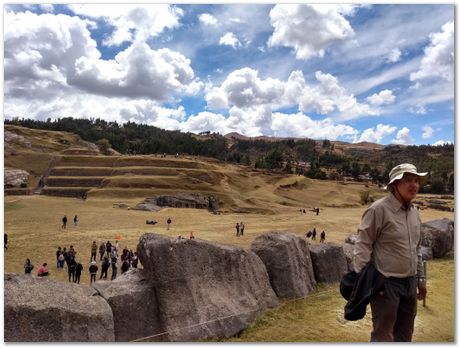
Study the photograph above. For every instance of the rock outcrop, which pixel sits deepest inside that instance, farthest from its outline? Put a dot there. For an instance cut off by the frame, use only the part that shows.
(134, 305)
(180, 200)
(438, 235)
(43, 310)
(287, 259)
(204, 290)
(329, 262)
(15, 177)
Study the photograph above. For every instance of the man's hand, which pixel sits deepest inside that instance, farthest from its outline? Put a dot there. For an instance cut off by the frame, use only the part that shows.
(421, 285)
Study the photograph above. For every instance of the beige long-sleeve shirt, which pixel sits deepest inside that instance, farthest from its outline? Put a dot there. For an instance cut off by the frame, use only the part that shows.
(389, 235)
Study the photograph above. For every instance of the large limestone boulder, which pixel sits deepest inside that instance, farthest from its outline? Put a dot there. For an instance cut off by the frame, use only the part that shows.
(15, 177)
(287, 259)
(329, 262)
(134, 305)
(43, 310)
(204, 290)
(438, 235)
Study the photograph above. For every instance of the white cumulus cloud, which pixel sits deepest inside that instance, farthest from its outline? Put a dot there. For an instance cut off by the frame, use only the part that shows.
(207, 19)
(309, 29)
(375, 135)
(438, 60)
(427, 132)
(230, 39)
(132, 21)
(394, 55)
(403, 137)
(383, 97)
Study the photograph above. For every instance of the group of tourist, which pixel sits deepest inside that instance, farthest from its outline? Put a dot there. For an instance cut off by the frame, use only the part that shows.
(314, 209)
(64, 221)
(109, 255)
(312, 234)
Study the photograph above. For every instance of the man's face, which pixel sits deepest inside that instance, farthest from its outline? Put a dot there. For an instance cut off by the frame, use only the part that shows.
(408, 186)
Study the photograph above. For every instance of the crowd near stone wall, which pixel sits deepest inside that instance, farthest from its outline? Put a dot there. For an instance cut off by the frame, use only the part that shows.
(188, 289)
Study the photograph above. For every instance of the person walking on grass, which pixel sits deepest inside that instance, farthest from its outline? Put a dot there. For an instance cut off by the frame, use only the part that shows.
(105, 267)
(93, 271)
(75, 220)
(169, 223)
(5, 241)
(313, 234)
(101, 251)
(241, 228)
(389, 238)
(78, 270)
(64, 222)
(58, 253)
(71, 268)
(322, 238)
(237, 227)
(114, 268)
(108, 248)
(93, 251)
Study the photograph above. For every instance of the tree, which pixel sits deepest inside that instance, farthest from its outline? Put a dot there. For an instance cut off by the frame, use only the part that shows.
(103, 145)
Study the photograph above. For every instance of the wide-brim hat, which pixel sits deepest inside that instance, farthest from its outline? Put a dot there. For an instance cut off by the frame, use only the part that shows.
(398, 172)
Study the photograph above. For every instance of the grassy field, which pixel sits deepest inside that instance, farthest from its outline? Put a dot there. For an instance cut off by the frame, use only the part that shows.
(33, 224)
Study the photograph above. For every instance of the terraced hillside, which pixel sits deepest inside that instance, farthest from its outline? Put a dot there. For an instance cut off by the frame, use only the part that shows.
(89, 174)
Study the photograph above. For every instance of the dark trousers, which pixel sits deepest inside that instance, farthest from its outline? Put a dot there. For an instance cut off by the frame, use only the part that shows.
(92, 278)
(72, 275)
(103, 273)
(77, 278)
(93, 255)
(393, 310)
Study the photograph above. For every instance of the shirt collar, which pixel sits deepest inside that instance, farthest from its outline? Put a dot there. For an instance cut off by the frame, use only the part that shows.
(395, 204)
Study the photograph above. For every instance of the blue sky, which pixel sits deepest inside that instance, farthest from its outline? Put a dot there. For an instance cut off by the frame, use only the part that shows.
(378, 73)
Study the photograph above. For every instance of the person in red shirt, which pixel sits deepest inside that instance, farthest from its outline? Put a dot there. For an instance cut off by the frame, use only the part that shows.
(42, 270)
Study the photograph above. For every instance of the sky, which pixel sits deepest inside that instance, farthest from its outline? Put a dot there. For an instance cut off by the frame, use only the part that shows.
(377, 73)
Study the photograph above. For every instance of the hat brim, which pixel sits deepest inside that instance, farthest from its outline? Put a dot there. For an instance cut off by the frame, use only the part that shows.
(421, 178)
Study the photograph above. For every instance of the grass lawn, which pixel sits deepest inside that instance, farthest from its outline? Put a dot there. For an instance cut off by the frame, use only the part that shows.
(33, 224)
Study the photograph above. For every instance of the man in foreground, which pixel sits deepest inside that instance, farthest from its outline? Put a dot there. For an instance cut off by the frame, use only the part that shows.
(389, 237)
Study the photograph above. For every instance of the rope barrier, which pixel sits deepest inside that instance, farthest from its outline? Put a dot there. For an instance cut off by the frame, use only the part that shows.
(322, 293)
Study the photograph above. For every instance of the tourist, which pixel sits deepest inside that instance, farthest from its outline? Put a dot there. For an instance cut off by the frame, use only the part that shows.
(108, 248)
(93, 271)
(71, 265)
(124, 266)
(104, 267)
(78, 270)
(75, 220)
(61, 260)
(313, 234)
(58, 253)
(322, 237)
(5, 241)
(28, 267)
(93, 251)
(135, 260)
(64, 221)
(389, 238)
(237, 226)
(169, 223)
(191, 235)
(114, 268)
(101, 251)
(42, 270)
(241, 228)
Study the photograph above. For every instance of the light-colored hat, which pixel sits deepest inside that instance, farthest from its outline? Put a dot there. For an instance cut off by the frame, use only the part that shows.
(398, 172)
